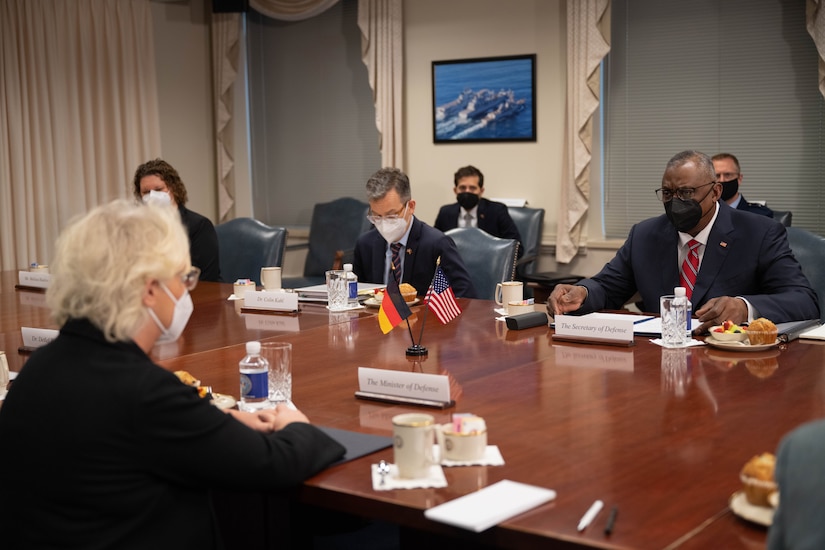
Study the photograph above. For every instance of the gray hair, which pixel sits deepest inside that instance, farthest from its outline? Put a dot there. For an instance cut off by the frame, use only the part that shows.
(703, 162)
(385, 180)
(104, 259)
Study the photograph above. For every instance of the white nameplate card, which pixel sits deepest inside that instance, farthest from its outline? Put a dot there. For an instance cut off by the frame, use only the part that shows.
(431, 390)
(35, 279)
(275, 301)
(611, 330)
(277, 323)
(37, 337)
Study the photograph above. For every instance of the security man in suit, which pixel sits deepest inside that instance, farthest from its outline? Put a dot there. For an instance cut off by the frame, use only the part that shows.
(727, 173)
(470, 210)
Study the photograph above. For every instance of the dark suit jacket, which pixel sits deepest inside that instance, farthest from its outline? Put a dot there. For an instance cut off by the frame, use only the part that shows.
(424, 246)
(797, 522)
(113, 451)
(493, 217)
(746, 256)
(203, 244)
(754, 207)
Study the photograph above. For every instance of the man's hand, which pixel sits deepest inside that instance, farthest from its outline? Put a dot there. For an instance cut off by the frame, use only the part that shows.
(718, 310)
(566, 298)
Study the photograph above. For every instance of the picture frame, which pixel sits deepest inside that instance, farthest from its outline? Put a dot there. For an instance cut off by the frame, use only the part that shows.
(487, 99)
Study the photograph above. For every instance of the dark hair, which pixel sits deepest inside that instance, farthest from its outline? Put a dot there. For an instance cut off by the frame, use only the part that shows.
(167, 173)
(723, 156)
(385, 180)
(466, 172)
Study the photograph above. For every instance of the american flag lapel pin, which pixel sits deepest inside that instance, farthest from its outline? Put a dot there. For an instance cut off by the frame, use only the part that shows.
(723, 244)
(409, 251)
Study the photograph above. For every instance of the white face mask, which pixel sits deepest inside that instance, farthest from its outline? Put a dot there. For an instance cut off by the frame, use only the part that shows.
(183, 310)
(157, 197)
(392, 229)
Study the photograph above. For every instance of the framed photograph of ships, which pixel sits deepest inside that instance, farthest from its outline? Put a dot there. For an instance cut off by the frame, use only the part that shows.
(485, 99)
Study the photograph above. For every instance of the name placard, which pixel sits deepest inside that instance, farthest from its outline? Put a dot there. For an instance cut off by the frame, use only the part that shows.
(37, 337)
(431, 390)
(275, 301)
(36, 279)
(596, 329)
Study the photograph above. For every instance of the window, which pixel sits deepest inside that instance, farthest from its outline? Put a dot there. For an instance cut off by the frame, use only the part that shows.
(735, 76)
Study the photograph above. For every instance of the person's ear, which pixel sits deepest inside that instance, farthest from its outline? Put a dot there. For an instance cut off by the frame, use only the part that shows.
(149, 295)
(455, 189)
(411, 206)
(480, 191)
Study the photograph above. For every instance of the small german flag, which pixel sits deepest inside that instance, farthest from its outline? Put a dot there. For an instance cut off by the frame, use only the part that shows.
(393, 307)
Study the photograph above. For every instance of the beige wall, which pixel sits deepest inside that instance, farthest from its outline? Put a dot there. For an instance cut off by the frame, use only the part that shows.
(434, 30)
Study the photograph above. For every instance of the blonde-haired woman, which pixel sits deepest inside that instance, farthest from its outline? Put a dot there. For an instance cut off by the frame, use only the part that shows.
(103, 448)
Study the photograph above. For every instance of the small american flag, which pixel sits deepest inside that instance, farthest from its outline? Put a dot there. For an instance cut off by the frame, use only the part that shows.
(441, 299)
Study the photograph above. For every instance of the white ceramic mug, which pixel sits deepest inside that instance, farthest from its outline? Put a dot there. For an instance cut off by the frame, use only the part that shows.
(271, 278)
(461, 447)
(240, 288)
(509, 291)
(518, 307)
(413, 437)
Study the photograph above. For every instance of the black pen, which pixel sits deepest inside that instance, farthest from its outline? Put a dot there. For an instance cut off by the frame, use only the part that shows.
(611, 520)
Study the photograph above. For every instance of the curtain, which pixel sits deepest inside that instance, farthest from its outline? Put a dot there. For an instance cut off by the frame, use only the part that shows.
(291, 10)
(78, 114)
(381, 24)
(226, 30)
(587, 43)
(815, 22)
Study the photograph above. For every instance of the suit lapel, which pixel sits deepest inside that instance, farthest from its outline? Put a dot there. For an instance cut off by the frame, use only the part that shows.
(722, 237)
(668, 247)
(411, 251)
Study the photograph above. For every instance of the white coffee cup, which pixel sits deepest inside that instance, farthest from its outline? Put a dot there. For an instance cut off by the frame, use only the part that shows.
(520, 306)
(413, 438)
(461, 447)
(509, 291)
(271, 278)
(241, 286)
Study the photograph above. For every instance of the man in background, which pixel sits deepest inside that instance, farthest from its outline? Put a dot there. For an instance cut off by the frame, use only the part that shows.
(402, 246)
(471, 210)
(727, 171)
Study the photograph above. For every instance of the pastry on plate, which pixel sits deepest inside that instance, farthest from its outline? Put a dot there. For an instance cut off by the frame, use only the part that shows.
(408, 292)
(762, 331)
(757, 479)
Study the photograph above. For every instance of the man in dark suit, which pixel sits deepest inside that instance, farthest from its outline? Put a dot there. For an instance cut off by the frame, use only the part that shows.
(471, 210)
(797, 522)
(727, 171)
(745, 266)
(401, 241)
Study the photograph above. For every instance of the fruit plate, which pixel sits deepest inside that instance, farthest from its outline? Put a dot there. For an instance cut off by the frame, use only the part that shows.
(738, 346)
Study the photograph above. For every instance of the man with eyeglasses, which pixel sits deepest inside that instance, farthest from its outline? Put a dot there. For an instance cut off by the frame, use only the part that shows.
(729, 176)
(401, 241)
(735, 265)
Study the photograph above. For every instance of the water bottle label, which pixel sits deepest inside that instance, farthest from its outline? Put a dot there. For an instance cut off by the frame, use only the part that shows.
(353, 290)
(254, 386)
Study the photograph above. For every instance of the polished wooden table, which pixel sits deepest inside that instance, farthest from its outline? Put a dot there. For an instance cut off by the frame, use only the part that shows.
(662, 434)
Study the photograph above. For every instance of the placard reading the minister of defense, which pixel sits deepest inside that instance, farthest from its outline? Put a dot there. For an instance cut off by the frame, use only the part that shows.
(416, 385)
(612, 328)
(276, 301)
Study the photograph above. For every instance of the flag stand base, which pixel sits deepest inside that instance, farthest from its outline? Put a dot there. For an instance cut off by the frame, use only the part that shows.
(416, 351)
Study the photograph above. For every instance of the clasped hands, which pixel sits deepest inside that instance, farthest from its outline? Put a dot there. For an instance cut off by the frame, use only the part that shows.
(269, 420)
(567, 298)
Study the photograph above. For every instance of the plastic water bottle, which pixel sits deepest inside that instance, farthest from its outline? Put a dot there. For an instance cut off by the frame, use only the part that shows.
(674, 318)
(688, 317)
(254, 379)
(352, 286)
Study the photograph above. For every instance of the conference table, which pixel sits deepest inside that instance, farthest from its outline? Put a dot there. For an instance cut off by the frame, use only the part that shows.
(660, 434)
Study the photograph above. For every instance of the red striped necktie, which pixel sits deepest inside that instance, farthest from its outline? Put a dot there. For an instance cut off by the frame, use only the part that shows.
(690, 268)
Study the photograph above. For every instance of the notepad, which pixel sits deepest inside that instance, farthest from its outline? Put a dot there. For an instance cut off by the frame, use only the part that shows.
(490, 506)
(815, 334)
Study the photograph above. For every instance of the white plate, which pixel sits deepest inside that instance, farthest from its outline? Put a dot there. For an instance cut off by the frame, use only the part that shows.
(372, 302)
(745, 510)
(223, 401)
(738, 346)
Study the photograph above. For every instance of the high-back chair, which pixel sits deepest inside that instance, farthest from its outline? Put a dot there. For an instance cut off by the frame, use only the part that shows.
(489, 260)
(783, 216)
(335, 227)
(247, 245)
(530, 223)
(809, 250)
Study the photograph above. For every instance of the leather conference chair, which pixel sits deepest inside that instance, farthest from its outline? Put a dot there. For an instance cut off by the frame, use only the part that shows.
(247, 245)
(530, 222)
(809, 250)
(489, 260)
(783, 216)
(335, 227)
